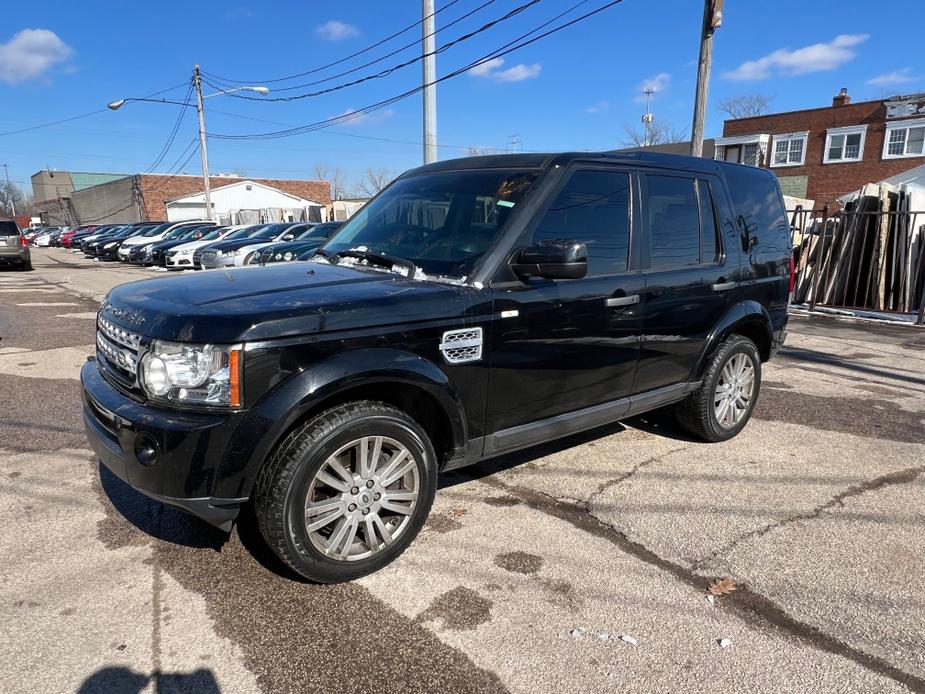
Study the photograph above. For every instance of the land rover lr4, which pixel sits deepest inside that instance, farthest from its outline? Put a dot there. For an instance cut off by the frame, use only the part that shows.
(474, 307)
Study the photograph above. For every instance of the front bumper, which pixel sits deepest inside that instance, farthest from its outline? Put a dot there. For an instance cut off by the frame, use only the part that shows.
(211, 261)
(191, 468)
(179, 261)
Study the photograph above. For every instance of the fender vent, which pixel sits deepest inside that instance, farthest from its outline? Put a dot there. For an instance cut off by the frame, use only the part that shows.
(462, 346)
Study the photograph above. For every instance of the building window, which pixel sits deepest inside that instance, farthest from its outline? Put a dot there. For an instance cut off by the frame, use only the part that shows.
(904, 139)
(844, 144)
(789, 149)
(743, 149)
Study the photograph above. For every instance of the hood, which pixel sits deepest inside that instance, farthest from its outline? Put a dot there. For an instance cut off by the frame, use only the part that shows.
(135, 240)
(294, 247)
(235, 244)
(280, 300)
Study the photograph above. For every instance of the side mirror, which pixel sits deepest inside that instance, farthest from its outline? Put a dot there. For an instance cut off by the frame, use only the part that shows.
(566, 260)
(288, 237)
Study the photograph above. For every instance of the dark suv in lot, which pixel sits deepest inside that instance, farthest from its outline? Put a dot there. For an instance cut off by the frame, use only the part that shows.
(475, 307)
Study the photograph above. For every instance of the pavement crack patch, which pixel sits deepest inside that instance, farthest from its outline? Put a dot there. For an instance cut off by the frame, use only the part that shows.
(754, 609)
(904, 476)
(603, 487)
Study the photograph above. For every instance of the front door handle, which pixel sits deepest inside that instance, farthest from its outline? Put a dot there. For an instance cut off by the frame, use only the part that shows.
(724, 286)
(623, 300)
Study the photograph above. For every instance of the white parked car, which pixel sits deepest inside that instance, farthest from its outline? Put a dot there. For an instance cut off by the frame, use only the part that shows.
(153, 235)
(184, 256)
(236, 252)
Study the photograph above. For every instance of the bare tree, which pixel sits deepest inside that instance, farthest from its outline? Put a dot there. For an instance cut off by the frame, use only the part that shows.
(322, 172)
(373, 181)
(473, 151)
(659, 134)
(744, 106)
(12, 193)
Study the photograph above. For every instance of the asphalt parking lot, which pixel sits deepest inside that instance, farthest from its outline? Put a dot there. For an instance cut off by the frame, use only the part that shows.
(582, 565)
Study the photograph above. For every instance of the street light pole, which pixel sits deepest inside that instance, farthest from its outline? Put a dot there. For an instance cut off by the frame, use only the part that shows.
(428, 44)
(203, 150)
(712, 20)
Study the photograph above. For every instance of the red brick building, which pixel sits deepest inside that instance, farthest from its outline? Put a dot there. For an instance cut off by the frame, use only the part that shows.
(824, 153)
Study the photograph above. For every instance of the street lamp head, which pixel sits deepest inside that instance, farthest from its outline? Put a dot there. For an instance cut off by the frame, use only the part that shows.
(116, 105)
(261, 90)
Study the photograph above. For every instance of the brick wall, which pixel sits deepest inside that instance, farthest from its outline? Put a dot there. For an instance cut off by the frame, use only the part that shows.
(829, 181)
(157, 190)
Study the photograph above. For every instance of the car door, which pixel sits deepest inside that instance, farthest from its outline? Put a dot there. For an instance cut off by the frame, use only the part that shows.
(691, 266)
(558, 346)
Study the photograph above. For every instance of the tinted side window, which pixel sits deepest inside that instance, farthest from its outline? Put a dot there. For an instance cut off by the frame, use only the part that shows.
(674, 226)
(755, 196)
(709, 246)
(593, 208)
(9, 229)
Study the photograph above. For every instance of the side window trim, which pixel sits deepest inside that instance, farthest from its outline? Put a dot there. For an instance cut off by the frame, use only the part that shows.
(632, 265)
(711, 185)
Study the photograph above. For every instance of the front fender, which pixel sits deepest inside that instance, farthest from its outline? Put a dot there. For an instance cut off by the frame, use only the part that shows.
(749, 313)
(265, 424)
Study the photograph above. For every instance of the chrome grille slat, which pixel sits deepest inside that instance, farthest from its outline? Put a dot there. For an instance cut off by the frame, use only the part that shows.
(117, 356)
(462, 346)
(118, 334)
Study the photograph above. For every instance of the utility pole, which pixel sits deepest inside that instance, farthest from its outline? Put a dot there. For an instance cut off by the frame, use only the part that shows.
(430, 76)
(712, 20)
(647, 118)
(9, 190)
(197, 83)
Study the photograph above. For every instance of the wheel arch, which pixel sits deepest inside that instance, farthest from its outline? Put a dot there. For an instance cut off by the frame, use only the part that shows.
(395, 377)
(748, 319)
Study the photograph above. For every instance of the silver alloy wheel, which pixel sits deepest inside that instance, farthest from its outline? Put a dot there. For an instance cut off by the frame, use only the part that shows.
(362, 498)
(734, 390)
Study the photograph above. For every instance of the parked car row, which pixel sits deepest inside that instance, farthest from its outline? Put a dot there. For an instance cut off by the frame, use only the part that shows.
(198, 244)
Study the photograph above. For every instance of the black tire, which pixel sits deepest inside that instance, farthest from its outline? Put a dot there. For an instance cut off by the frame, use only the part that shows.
(697, 413)
(27, 265)
(284, 481)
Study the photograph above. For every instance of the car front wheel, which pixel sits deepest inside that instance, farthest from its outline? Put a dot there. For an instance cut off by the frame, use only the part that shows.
(347, 492)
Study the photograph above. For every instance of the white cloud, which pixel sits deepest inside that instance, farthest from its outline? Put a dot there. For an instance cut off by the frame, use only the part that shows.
(658, 83)
(30, 54)
(815, 58)
(353, 117)
(900, 76)
(336, 31)
(518, 73)
(599, 106)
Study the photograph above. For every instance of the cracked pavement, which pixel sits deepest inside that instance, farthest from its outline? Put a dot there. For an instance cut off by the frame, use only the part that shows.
(532, 566)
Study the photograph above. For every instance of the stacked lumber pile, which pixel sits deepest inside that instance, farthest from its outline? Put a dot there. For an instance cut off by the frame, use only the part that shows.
(870, 255)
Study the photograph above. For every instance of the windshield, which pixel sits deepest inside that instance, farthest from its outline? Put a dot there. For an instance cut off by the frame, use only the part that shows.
(441, 222)
(214, 234)
(319, 231)
(241, 233)
(270, 232)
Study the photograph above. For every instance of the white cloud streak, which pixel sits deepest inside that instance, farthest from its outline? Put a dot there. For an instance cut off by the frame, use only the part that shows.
(490, 69)
(658, 82)
(818, 57)
(888, 79)
(335, 30)
(30, 54)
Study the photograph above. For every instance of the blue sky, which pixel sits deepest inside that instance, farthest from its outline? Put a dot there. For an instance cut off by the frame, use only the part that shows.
(574, 90)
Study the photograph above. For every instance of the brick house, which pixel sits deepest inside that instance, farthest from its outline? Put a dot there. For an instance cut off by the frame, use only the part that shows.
(823, 153)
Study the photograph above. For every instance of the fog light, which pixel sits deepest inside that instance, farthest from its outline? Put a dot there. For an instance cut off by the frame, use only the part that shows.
(145, 449)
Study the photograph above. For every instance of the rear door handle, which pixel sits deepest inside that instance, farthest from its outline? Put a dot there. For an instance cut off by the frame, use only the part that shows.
(623, 300)
(724, 286)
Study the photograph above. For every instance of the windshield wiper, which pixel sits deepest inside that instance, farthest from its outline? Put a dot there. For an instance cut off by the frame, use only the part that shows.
(332, 257)
(387, 261)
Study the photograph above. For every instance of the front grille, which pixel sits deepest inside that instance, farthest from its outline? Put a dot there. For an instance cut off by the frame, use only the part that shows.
(462, 346)
(119, 349)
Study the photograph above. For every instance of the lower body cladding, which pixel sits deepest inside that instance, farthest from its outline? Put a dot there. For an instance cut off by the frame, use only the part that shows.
(17, 258)
(194, 461)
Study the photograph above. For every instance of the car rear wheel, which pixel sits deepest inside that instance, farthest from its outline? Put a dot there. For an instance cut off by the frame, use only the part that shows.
(347, 492)
(722, 405)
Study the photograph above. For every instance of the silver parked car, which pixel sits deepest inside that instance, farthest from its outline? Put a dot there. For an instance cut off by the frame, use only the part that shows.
(14, 249)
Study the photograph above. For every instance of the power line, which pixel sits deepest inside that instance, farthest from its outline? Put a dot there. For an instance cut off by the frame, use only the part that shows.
(414, 43)
(78, 117)
(508, 48)
(388, 71)
(341, 60)
(173, 132)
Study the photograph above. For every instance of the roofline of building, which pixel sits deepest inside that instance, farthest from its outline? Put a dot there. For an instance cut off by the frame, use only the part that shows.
(86, 173)
(235, 178)
(242, 181)
(897, 97)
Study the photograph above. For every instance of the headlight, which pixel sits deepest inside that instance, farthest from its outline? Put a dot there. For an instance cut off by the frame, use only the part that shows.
(185, 251)
(197, 374)
(288, 256)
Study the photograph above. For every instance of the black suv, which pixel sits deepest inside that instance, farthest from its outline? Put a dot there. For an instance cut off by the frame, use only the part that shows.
(474, 307)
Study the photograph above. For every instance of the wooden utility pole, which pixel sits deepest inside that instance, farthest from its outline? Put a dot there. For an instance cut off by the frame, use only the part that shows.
(428, 48)
(712, 20)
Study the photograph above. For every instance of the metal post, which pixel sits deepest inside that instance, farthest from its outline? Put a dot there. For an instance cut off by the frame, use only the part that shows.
(197, 83)
(820, 258)
(430, 76)
(712, 19)
(9, 189)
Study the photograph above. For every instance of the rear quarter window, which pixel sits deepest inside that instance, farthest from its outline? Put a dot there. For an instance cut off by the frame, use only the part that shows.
(757, 199)
(8, 228)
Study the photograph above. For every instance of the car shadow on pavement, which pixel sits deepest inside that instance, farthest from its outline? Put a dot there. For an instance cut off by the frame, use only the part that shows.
(156, 519)
(123, 680)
